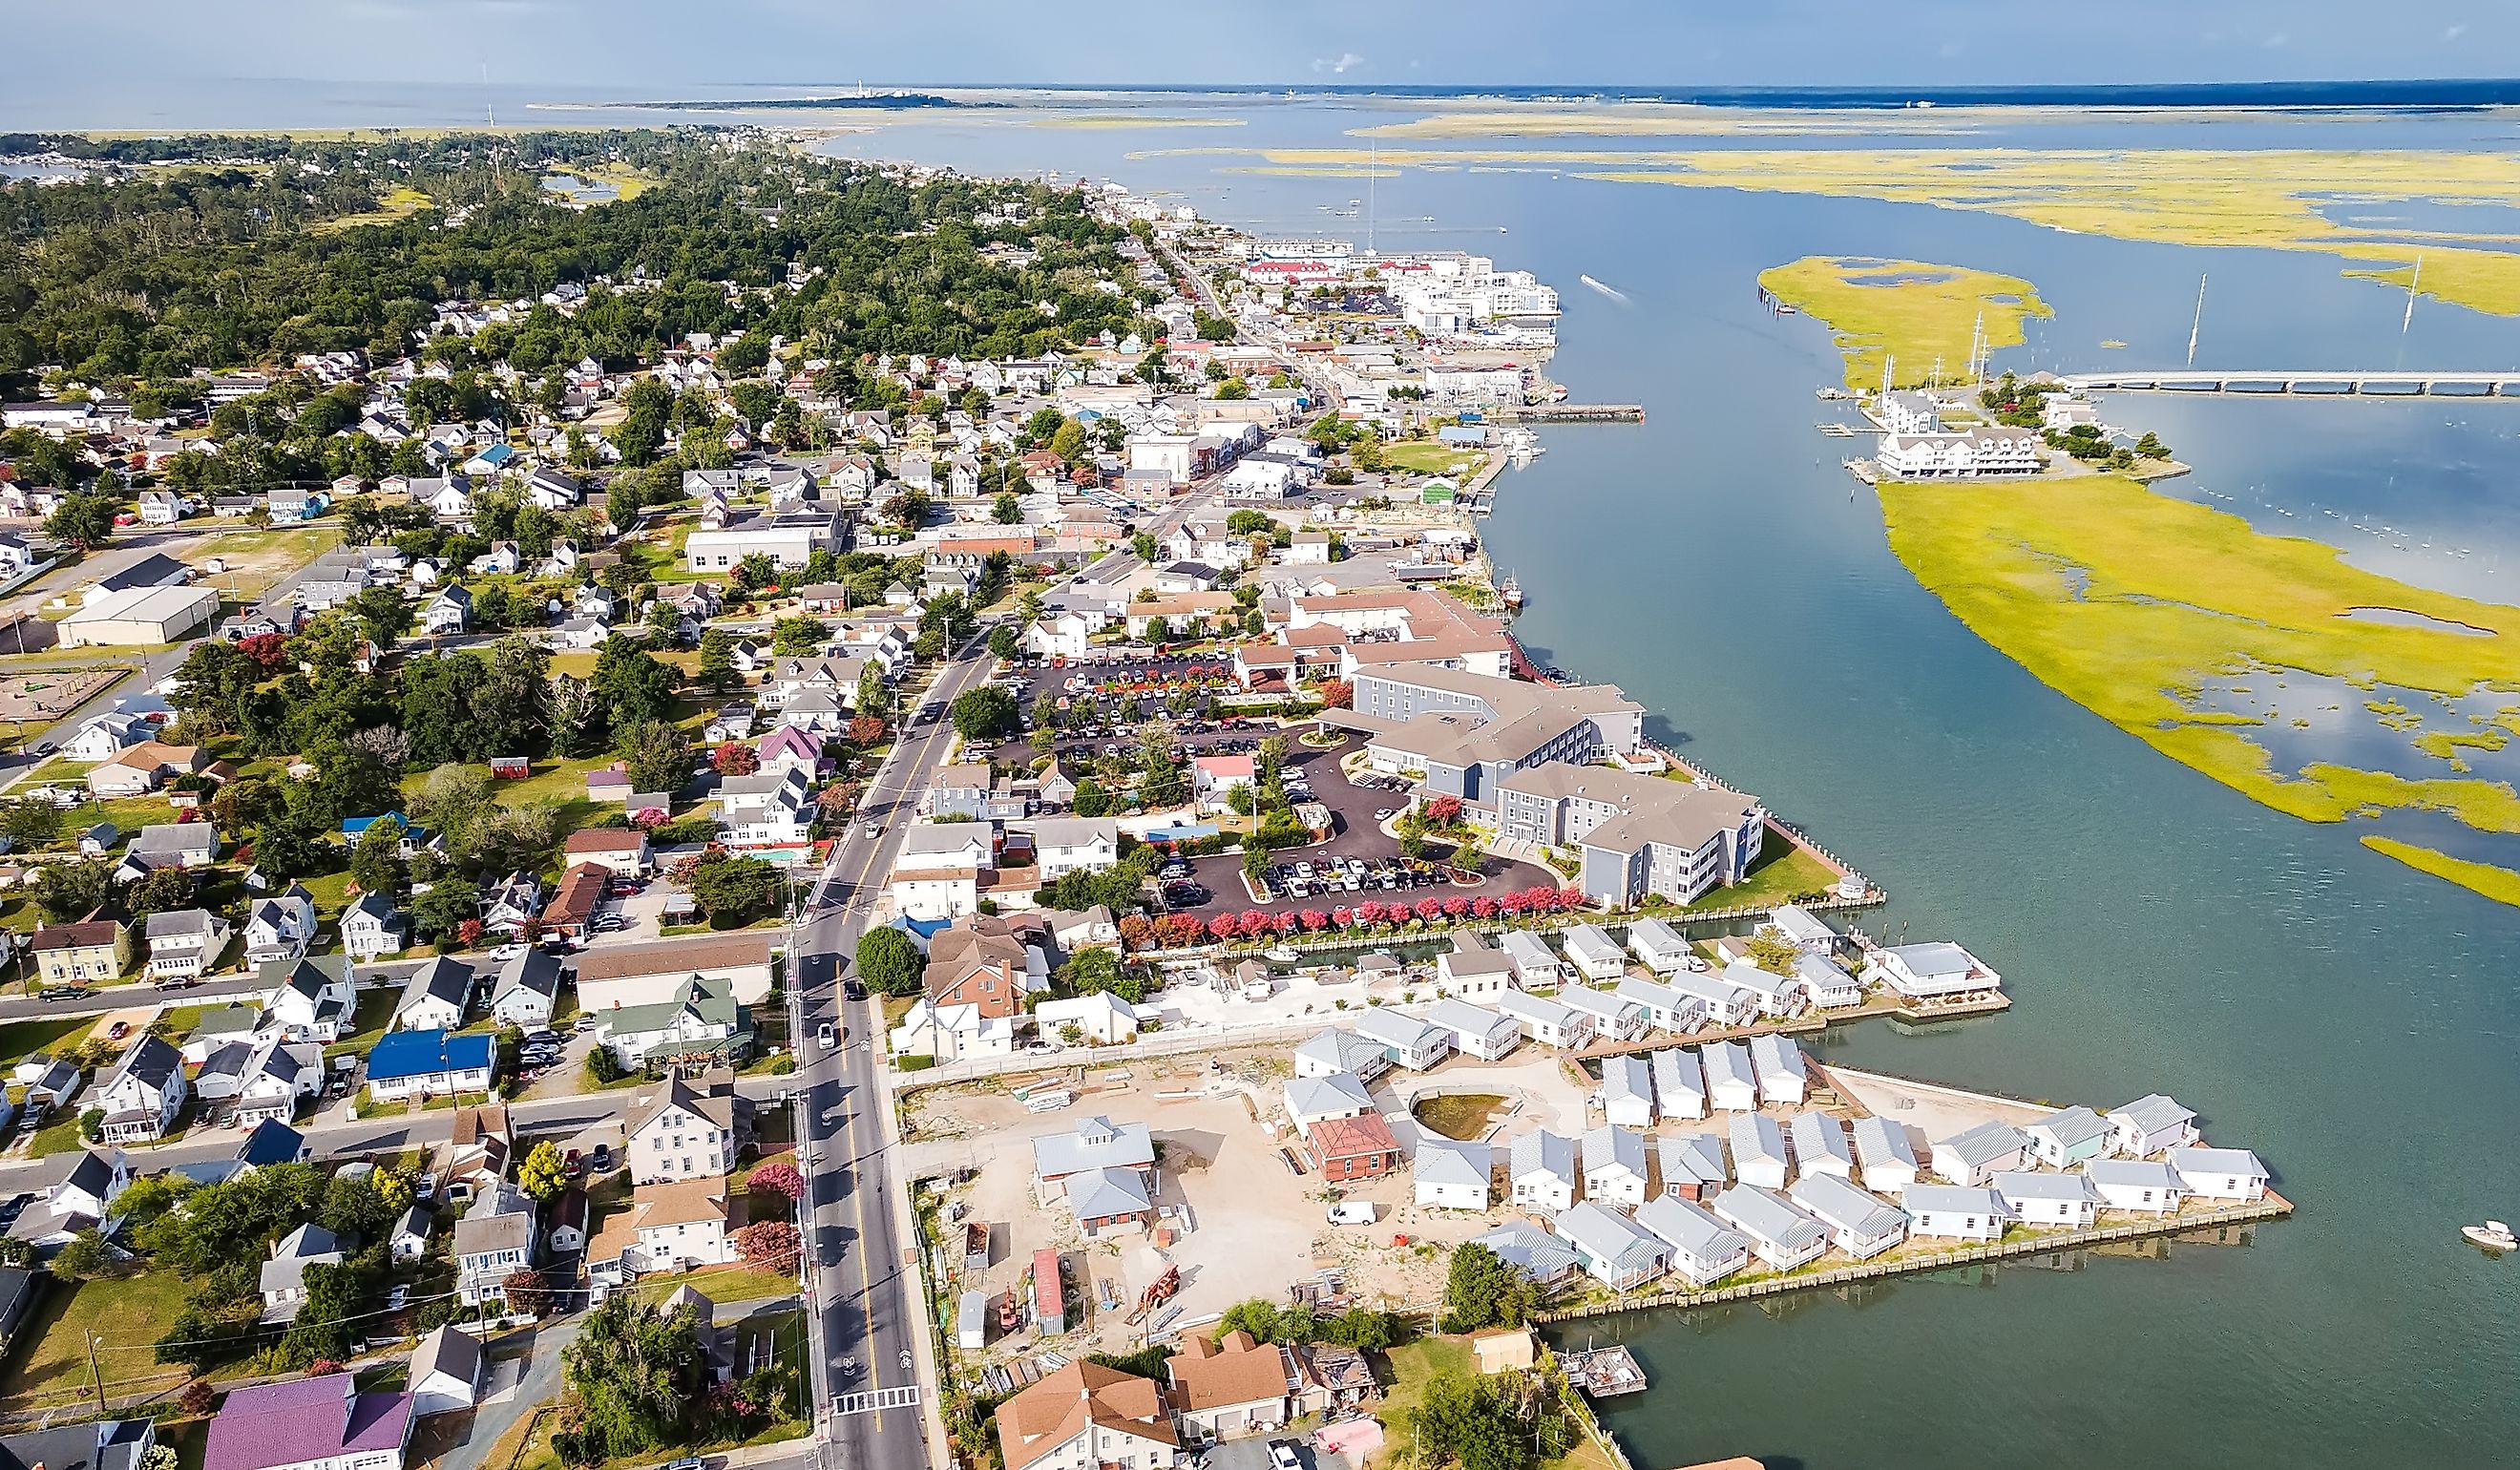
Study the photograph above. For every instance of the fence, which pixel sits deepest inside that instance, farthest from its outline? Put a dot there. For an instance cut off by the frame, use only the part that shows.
(1165, 1044)
(2273, 1206)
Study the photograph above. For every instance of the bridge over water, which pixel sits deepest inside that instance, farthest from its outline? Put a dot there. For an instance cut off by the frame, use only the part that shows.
(2497, 385)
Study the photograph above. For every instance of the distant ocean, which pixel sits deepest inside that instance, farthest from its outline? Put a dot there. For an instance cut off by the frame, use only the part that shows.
(2421, 94)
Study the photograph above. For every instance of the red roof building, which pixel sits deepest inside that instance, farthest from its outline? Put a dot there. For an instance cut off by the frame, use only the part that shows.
(1353, 1148)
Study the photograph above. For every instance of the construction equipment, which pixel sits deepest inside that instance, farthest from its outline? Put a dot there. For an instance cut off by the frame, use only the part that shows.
(1158, 1292)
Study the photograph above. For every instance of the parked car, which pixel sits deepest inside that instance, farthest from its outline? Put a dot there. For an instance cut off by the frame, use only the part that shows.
(826, 1038)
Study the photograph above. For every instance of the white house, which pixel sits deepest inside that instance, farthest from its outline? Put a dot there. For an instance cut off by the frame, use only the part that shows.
(1611, 1247)
(1595, 953)
(1954, 1212)
(1667, 1008)
(1342, 1050)
(1614, 1166)
(1703, 1248)
(1778, 1063)
(1679, 1085)
(185, 944)
(936, 874)
(1858, 1224)
(1102, 1018)
(1759, 1154)
(1450, 1175)
(372, 927)
(2144, 1186)
(1826, 983)
(1977, 1155)
(1541, 1172)
(438, 997)
(1885, 1161)
(2150, 1125)
(445, 1375)
(1546, 1021)
(2068, 1139)
(1626, 1092)
(1535, 966)
(1409, 1042)
(1471, 969)
(1476, 1030)
(2220, 1172)
(1780, 1235)
(1062, 845)
(1657, 945)
(1730, 1085)
(1937, 972)
(280, 927)
(145, 1092)
(311, 999)
(1323, 1100)
(1612, 1018)
(1692, 1166)
(1820, 1146)
(1715, 1000)
(2047, 1199)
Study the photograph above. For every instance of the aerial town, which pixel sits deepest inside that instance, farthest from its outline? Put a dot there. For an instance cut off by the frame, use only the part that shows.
(689, 834)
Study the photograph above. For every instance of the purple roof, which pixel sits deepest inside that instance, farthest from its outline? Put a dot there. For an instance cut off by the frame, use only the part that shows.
(301, 1421)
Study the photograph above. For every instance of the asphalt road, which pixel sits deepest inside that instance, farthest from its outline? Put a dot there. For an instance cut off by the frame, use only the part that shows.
(865, 1297)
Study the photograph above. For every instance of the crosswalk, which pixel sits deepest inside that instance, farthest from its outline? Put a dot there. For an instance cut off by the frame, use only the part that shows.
(871, 1401)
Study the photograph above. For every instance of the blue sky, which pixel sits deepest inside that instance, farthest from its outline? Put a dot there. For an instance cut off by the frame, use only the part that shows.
(601, 46)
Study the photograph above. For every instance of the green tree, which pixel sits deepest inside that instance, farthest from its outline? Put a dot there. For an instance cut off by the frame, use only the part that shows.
(1092, 800)
(1003, 643)
(798, 637)
(888, 962)
(83, 1259)
(732, 891)
(31, 822)
(634, 684)
(384, 612)
(1007, 509)
(163, 891)
(1459, 1418)
(986, 712)
(637, 1374)
(68, 891)
(656, 755)
(717, 669)
(376, 862)
(83, 520)
(1481, 1289)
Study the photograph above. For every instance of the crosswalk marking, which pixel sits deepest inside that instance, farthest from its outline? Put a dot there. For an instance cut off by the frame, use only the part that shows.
(872, 1401)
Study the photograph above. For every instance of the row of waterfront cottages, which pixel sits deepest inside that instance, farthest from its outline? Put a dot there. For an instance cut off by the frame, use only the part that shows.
(1789, 1194)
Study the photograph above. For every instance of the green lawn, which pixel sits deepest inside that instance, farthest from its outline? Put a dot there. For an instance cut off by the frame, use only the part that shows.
(1412, 1366)
(1430, 458)
(25, 1038)
(1782, 871)
(720, 1283)
(49, 1368)
(374, 1015)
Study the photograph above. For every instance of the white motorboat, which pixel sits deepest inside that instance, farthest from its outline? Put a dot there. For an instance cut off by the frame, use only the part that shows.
(2493, 1235)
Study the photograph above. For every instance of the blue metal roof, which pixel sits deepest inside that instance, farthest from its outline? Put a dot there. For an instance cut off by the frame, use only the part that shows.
(418, 1053)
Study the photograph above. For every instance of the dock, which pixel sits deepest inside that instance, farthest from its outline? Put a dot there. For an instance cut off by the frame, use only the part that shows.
(1570, 412)
(1603, 1372)
(1900, 1263)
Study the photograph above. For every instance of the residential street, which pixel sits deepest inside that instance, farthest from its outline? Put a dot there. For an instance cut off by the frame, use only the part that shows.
(865, 1293)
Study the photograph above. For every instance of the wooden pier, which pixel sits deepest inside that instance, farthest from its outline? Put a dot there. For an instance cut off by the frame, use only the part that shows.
(2272, 1207)
(1603, 1372)
(1570, 412)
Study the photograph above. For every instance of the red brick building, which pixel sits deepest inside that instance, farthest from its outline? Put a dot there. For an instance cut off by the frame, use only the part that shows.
(1353, 1148)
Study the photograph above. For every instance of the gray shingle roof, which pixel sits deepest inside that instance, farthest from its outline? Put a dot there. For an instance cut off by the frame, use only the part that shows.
(1764, 1217)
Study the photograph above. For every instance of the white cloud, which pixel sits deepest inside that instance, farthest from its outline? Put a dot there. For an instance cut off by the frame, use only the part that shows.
(2276, 42)
(2455, 31)
(1339, 65)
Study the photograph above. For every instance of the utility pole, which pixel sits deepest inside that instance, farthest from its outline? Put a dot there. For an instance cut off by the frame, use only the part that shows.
(93, 1374)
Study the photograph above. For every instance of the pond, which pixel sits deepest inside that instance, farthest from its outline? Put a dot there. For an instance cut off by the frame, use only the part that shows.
(1458, 1115)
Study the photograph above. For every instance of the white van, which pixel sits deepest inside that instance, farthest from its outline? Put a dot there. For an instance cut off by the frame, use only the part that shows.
(1352, 1212)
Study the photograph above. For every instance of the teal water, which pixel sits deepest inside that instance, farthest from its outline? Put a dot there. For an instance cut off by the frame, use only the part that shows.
(2350, 1019)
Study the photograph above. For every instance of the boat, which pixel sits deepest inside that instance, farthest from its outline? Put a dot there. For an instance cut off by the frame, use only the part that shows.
(2493, 1235)
(1511, 591)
